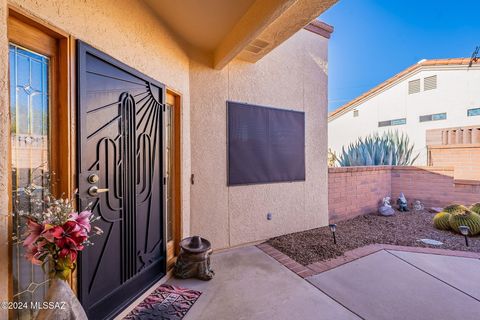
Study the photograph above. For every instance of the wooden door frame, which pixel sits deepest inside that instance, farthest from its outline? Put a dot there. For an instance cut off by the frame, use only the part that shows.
(34, 34)
(174, 98)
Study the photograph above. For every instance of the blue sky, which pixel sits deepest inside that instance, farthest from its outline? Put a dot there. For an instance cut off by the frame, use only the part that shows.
(375, 39)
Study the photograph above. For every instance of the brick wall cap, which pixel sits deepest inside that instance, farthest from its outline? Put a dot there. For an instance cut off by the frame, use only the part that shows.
(425, 168)
(358, 169)
(467, 182)
(454, 146)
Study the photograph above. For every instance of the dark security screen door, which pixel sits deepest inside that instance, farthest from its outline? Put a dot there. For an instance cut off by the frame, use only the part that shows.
(120, 163)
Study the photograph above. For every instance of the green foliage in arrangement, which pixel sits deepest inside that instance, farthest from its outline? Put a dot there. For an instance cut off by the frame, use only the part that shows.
(475, 208)
(391, 149)
(466, 218)
(441, 221)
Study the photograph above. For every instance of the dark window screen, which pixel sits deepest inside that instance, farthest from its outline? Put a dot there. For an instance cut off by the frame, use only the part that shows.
(265, 145)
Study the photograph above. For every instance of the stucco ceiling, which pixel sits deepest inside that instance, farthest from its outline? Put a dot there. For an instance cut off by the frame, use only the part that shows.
(201, 23)
(217, 31)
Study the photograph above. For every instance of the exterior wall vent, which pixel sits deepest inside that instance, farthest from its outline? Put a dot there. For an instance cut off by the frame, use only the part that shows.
(430, 83)
(256, 46)
(414, 86)
(253, 49)
(355, 113)
(259, 43)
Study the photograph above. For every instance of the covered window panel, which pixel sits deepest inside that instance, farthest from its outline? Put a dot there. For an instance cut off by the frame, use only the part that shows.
(265, 144)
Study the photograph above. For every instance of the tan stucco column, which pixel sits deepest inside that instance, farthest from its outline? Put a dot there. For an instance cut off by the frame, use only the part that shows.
(4, 139)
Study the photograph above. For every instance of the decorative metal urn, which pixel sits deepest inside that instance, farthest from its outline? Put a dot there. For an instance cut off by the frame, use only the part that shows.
(194, 259)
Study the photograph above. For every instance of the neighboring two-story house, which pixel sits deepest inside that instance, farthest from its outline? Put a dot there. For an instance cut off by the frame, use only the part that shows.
(431, 94)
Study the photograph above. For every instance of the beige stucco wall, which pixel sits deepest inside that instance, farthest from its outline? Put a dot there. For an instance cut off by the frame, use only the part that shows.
(292, 76)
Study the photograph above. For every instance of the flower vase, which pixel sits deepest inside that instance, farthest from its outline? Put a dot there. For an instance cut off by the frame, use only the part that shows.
(61, 303)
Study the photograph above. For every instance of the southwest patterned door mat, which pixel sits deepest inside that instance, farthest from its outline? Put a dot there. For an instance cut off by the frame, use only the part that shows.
(165, 303)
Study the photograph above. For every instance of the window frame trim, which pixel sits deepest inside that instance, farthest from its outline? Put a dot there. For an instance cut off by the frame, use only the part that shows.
(391, 122)
(473, 109)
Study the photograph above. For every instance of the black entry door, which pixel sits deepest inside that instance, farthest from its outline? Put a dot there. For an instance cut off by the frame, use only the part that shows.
(120, 163)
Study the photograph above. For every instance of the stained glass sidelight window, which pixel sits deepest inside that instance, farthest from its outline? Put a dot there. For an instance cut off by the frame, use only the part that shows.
(29, 117)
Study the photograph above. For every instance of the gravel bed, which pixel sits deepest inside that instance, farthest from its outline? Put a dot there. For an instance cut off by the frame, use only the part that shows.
(404, 228)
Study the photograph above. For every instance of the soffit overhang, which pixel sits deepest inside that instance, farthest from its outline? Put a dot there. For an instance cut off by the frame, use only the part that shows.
(218, 31)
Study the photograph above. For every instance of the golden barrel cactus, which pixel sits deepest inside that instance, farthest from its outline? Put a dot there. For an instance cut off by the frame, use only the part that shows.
(465, 217)
(475, 207)
(454, 208)
(441, 220)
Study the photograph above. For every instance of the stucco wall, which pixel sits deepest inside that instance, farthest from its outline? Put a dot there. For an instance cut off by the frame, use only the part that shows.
(457, 91)
(128, 31)
(293, 76)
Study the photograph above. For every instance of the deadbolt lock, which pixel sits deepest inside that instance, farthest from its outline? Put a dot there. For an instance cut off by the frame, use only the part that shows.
(93, 178)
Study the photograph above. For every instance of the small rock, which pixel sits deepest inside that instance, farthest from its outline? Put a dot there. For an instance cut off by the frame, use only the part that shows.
(436, 209)
(431, 242)
(386, 211)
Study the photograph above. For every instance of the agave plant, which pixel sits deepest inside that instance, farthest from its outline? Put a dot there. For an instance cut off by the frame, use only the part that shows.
(390, 148)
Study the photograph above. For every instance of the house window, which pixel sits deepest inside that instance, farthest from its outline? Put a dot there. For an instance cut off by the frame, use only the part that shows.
(433, 117)
(430, 83)
(414, 86)
(473, 112)
(355, 113)
(395, 122)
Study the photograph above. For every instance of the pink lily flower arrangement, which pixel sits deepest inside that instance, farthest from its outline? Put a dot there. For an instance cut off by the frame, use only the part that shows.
(56, 233)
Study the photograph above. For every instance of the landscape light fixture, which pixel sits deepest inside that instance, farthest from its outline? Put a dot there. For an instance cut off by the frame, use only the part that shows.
(333, 228)
(464, 230)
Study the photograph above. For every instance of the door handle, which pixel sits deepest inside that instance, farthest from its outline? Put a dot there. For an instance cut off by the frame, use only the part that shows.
(94, 191)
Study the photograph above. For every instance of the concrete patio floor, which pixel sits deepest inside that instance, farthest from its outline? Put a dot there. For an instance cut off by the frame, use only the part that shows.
(250, 285)
(387, 284)
(404, 285)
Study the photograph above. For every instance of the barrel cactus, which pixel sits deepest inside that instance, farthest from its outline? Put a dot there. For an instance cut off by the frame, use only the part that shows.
(455, 208)
(475, 207)
(441, 221)
(465, 218)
